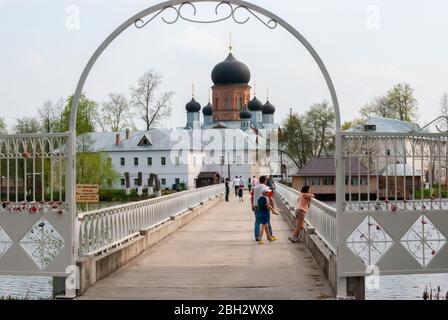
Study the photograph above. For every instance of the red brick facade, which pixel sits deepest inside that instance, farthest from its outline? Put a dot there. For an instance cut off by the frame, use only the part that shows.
(229, 100)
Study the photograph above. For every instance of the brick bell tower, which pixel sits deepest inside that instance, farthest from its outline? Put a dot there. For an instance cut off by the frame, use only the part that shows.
(231, 92)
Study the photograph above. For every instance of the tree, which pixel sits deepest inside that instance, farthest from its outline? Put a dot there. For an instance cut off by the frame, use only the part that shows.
(352, 123)
(379, 107)
(320, 122)
(3, 126)
(398, 103)
(47, 116)
(444, 110)
(85, 119)
(27, 125)
(401, 99)
(151, 109)
(115, 115)
(295, 138)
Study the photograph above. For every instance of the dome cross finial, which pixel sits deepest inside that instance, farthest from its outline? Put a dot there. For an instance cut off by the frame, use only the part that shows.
(230, 42)
(267, 93)
(192, 89)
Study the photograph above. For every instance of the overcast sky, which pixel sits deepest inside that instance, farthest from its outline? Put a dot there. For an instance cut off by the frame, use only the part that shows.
(368, 46)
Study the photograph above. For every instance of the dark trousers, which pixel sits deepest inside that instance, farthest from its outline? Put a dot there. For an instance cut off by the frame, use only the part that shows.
(227, 194)
(236, 191)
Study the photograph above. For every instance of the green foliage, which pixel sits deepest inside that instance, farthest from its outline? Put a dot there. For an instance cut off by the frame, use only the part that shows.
(3, 126)
(309, 135)
(398, 103)
(95, 168)
(428, 193)
(352, 123)
(27, 125)
(87, 113)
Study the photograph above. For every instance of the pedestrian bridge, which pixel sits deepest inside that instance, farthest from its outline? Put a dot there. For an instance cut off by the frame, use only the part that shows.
(214, 256)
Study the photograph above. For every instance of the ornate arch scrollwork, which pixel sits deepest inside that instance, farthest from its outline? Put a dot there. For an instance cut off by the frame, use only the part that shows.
(232, 14)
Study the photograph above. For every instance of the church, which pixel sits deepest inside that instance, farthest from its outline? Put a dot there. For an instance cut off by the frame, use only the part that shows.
(241, 126)
(231, 105)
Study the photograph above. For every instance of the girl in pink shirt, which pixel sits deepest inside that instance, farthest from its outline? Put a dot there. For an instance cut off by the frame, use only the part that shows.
(303, 203)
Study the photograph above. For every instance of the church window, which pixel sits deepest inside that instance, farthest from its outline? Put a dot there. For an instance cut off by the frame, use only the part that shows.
(227, 103)
(240, 103)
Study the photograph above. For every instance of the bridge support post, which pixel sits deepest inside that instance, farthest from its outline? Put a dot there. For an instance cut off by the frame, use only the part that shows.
(351, 288)
(60, 289)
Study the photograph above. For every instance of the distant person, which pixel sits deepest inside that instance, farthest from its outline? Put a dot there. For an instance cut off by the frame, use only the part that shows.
(241, 193)
(236, 185)
(303, 203)
(249, 185)
(264, 210)
(256, 194)
(227, 189)
(270, 183)
(254, 181)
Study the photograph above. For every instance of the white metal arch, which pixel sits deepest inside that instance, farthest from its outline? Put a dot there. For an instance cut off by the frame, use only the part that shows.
(172, 3)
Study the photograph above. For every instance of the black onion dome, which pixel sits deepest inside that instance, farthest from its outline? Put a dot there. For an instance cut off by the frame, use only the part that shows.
(255, 105)
(268, 108)
(193, 106)
(207, 110)
(245, 114)
(231, 71)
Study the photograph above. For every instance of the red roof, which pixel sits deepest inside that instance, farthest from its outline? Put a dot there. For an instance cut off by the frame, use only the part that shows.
(319, 167)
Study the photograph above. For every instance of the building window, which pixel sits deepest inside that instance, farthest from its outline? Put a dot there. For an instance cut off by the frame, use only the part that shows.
(240, 103)
(163, 161)
(328, 181)
(177, 161)
(312, 181)
(122, 182)
(354, 181)
(135, 182)
(149, 161)
(364, 181)
(239, 160)
(122, 162)
(136, 162)
(163, 181)
(388, 152)
(177, 181)
(221, 160)
(227, 105)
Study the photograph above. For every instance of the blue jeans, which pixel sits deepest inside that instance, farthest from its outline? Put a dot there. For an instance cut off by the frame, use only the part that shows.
(257, 224)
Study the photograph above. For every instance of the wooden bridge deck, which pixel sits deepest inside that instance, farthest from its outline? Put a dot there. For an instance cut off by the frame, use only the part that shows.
(216, 257)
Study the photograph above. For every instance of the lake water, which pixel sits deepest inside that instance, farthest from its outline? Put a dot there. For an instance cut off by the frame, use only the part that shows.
(403, 287)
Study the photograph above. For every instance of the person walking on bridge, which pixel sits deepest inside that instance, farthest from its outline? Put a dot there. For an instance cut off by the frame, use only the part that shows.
(303, 204)
(227, 189)
(264, 210)
(236, 185)
(256, 194)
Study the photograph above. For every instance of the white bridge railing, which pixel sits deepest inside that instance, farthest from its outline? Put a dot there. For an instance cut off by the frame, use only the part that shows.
(320, 216)
(103, 229)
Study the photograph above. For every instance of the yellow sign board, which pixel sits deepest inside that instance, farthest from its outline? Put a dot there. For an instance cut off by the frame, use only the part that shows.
(87, 193)
(87, 198)
(87, 188)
